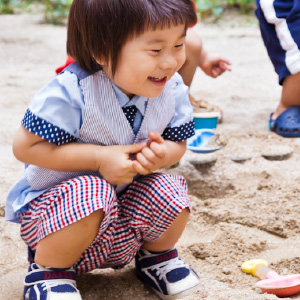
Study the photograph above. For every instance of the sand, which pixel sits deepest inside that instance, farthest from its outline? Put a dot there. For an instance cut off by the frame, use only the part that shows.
(244, 197)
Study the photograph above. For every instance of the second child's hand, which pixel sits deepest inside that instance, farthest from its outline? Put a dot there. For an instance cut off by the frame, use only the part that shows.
(214, 65)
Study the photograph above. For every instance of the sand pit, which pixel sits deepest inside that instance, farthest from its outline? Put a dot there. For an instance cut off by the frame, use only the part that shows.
(245, 197)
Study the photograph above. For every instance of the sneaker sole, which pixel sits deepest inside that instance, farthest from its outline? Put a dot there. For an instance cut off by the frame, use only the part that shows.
(177, 296)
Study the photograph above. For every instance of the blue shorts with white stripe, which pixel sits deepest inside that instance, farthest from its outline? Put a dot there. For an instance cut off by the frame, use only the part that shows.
(280, 28)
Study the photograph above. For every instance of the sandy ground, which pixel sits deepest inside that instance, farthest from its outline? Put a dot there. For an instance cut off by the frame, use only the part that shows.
(245, 205)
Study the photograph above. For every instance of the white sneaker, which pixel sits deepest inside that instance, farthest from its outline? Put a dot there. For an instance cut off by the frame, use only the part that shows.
(168, 275)
(50, 284)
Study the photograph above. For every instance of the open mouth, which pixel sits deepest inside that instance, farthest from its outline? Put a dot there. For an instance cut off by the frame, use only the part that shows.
(158, 80)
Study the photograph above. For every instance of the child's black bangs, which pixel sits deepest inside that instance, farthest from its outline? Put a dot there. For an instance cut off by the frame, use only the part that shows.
(164, 23)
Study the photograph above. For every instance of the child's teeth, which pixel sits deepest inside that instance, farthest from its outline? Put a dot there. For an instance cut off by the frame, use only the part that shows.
(157, 79)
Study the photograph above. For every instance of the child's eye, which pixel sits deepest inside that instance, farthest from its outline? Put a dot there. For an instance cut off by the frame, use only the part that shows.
(179, 46)
(156, 50)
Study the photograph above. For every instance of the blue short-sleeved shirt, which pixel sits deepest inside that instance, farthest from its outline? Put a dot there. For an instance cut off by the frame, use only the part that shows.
(56, 114)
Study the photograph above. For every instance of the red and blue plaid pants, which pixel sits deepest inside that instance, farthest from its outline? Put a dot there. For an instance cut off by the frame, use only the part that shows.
(141, 214)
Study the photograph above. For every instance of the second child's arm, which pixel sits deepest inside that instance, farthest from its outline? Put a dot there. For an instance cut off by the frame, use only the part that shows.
(112, 162)
(213, 64)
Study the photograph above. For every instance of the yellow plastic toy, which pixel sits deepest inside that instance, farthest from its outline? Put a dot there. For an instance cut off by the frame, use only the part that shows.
(250, 266)
(272, 282)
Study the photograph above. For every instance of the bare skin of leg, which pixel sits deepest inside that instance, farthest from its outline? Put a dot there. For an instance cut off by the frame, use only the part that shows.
(171, 236)
(193, 48)
(290, 95)
(63, 248)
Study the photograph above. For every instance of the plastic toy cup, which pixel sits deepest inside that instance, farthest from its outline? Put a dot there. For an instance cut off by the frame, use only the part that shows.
(206, 119)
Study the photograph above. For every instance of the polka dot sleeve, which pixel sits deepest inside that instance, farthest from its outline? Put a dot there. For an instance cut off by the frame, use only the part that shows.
(180, 133)
(51, 133)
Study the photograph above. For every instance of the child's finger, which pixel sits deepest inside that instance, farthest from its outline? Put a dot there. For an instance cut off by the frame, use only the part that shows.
(216, 72)
(134, 148)
(158, 150)
(148, 154)
(139, 168)
(156, 137)
(225, 61)
(144, 162)
(225, 66)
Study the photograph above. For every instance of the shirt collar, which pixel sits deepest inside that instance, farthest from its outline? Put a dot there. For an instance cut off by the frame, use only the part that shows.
(139, 101)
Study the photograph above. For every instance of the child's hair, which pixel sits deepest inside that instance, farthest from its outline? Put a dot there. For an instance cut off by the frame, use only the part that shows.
(97, 29)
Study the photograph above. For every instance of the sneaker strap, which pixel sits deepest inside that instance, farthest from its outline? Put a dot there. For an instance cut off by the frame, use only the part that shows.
(49, 274)
(154, 259)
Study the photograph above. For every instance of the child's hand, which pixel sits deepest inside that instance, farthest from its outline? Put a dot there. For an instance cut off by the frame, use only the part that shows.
(151, 157)
(214, 65)
(115, 164)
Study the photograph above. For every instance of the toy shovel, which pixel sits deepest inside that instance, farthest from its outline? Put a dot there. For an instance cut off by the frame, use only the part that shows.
(272, 283)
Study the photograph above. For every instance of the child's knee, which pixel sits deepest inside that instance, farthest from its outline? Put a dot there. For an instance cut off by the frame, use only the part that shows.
(92, 221)
(193, 44)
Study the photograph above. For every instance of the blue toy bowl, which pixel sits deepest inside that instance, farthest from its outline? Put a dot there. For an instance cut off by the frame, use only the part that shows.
(206, 119)
(199, 142)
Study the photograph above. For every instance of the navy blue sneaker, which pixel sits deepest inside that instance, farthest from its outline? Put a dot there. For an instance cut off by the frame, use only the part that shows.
(50, 284)
(168, 275)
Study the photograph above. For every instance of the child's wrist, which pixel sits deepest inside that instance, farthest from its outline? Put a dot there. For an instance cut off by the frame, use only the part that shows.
(203, 58)
(97, 158)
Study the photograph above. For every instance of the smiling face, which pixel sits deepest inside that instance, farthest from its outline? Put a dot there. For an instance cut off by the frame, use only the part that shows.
(148, 61)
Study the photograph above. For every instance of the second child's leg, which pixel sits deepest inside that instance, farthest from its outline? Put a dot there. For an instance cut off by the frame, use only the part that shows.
(290, 95)
(193, 48)
(281, 38)
(285, 121)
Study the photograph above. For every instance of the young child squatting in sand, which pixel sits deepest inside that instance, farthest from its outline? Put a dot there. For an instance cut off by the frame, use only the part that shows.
(92, 140)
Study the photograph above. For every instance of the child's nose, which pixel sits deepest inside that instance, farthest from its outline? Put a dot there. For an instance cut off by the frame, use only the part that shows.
(168, 62)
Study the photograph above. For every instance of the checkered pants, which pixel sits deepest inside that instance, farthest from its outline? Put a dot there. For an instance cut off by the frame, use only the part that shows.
(141, 214)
